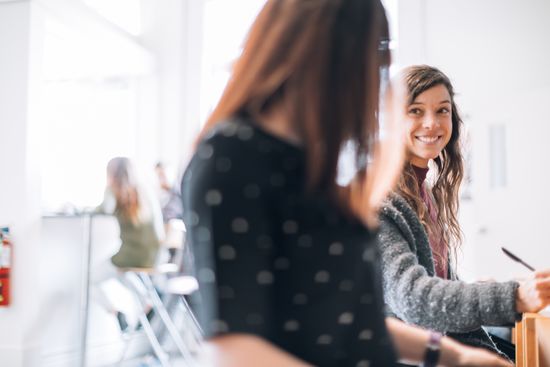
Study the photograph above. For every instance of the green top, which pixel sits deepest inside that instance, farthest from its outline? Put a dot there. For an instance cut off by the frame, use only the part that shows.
(140, 242)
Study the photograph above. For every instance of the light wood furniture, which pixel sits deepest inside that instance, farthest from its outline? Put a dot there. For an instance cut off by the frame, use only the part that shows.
(532, 338)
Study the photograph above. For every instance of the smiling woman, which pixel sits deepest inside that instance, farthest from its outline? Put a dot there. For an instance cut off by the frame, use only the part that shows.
(433, 133)
(419, 231)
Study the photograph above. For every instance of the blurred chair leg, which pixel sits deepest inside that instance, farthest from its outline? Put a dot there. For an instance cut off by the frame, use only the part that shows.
(165, 317)
(128, 278)
(192, 325)
(179, 287)
(126, 341)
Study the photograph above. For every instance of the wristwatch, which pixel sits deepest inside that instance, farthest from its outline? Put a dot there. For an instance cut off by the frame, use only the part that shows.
(433, 350)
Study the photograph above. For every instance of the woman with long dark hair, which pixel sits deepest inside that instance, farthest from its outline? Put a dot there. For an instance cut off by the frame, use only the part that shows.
(287, 267)
(420, 232)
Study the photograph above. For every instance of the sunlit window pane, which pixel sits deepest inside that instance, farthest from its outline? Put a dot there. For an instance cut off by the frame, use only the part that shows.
(89, 114)
(86, 124)
(125, 14)
(226, 24)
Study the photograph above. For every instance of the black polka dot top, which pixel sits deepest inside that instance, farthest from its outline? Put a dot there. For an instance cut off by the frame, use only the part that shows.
(274, 262)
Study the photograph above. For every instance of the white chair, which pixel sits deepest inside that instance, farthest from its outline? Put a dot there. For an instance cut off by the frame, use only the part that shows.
(139, 282)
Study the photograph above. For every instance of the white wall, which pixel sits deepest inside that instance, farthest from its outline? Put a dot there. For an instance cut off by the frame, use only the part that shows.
(497, 54)
(19, 208)
(173, 32)
(65, 244)
(35, 319)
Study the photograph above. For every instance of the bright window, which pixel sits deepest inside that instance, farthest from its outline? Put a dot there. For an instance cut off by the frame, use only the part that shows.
(125, 14)
(226, 24)
(89, 111)
(87, 123)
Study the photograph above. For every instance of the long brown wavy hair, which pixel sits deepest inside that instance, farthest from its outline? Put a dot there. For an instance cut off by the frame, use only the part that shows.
(124, 187)
(320, 61)
(449, 164)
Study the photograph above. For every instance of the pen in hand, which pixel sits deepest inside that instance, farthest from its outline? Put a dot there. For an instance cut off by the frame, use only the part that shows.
(515, 258)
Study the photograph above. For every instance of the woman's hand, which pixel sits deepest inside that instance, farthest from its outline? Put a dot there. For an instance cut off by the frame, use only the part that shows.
(411, 341)
(454, 354)
(534, 292)
(480, 357)
(245, 350)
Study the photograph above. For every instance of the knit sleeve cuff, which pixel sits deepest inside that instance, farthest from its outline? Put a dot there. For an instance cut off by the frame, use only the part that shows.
(498, 303)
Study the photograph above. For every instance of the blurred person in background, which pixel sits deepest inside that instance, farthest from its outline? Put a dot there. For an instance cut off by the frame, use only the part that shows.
(169, 195)
(141, 229)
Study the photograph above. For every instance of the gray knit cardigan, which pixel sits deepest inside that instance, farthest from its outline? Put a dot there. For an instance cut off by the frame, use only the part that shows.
(415, 295)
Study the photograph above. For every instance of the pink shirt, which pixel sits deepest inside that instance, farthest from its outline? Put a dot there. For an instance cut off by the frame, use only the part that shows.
(437, 243)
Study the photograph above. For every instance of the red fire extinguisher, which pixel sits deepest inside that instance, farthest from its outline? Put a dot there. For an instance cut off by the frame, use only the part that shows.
(5, 266)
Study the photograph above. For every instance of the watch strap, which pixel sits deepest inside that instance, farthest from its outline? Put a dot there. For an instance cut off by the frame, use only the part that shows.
(433, 350)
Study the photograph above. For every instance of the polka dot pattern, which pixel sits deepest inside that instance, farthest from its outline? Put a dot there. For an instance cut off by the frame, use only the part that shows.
(365, 334)
(227, 252)
(324, 339)
(322, 276)
(271, 259)
(336, 249)
(205, 151)
(346, 318)
(206, 275)
(229, 130)
(239, 225)
(346, 285)
(245, 133)
(220, 326)
(213, 197)
(291, 325)
(369, 255)
(265, 277)
(193, 219)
